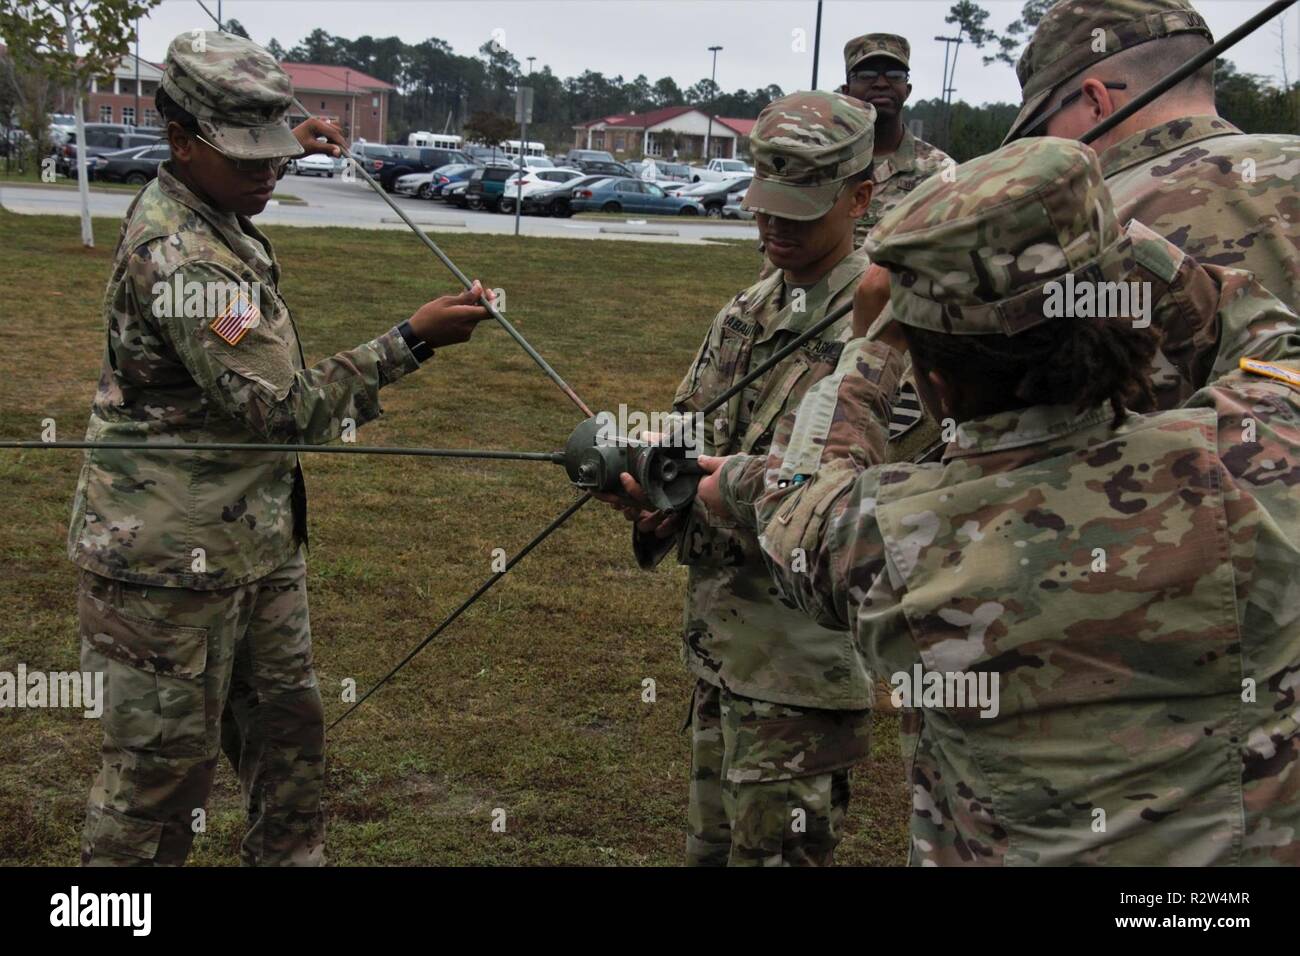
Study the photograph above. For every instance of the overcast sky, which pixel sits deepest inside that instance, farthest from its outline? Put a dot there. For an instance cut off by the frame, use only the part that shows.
(671, 37)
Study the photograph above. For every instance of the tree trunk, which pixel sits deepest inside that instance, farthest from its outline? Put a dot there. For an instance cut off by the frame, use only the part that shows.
(83, 184)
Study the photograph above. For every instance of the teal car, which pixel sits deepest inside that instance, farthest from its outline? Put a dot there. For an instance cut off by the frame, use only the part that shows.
(487, 185)
(621, 194)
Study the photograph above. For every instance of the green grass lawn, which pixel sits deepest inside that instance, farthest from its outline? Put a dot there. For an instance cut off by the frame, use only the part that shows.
(532, 701)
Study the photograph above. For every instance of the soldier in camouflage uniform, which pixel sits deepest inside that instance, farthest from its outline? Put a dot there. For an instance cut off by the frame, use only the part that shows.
(780, 710)
(876, 70)
(1126, 579)
(193, 575)
(900, 160)
(1226, 197)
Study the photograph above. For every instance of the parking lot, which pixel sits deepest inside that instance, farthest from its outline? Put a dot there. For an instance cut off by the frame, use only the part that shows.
(333, 202)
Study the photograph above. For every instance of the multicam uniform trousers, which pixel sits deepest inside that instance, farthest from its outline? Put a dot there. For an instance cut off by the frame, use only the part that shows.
(769, 782)
(186, 675)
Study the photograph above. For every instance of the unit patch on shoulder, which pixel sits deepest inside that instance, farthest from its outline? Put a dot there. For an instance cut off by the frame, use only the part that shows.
(1290, 376)
(241, 315)
(906, 411)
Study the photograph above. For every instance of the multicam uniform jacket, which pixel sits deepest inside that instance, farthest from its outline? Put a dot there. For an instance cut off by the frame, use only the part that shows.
(896, 175)
(207, 520)
(1226, 197)
(1132, 590)
(738, 634)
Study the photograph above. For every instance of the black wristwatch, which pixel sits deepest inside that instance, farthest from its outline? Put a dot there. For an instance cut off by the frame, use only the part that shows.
(421, 349)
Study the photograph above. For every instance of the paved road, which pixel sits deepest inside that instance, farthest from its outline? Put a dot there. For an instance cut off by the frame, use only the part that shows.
(332, 202)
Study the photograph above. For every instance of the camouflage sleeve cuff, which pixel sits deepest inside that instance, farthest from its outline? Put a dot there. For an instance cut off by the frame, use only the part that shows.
(740, 483)
(395, 358)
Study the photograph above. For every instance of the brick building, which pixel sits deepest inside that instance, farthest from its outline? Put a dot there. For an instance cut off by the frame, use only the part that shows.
(673, 130)
(355, 101)
(125, 97)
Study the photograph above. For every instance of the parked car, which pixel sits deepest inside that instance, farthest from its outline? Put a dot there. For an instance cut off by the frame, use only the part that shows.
(713, 196)
(623, 194)
(314, 164)
(678, 172)
(720, 169)
(430, 185)
(576, 156)
(136, 165)
(100, 138)
(733, 210)
(416, 159)
(554, 200)
(486, 186)
(662, 172)
(531, 182)
(698, 189)
(373, 157)
(484, 155)
(455, 194)
(593, 167)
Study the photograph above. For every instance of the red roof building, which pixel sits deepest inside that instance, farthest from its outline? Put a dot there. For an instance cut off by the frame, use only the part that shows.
(355, 101)
(670, 132)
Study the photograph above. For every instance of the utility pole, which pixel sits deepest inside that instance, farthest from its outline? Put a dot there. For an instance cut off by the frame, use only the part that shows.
(817, 44)
(523, 116)
(948, 76)
(530, 64)
(714, 80)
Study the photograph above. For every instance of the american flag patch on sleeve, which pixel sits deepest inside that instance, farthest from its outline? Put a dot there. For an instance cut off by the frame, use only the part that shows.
(241, 315)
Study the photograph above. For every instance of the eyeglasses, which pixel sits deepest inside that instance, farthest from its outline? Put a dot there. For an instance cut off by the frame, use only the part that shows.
(275, 164)
(869, 76)
(1068, 101)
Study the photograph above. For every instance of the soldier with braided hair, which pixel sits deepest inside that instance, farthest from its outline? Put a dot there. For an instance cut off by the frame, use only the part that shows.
(1119, 583)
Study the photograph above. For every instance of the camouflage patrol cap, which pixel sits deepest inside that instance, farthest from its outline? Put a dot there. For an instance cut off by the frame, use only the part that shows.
(804, 146)
(971, 256)
(877, 44)
(236, 91)
(1073, 35)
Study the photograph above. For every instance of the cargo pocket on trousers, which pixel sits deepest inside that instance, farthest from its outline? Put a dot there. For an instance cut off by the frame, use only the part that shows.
(153, 678)
(116, 835)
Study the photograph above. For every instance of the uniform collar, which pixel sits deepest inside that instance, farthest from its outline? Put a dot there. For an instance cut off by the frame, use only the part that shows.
(844, 274)
(239, 233)
(1158, 140)
(1022, 428)
(901, 160)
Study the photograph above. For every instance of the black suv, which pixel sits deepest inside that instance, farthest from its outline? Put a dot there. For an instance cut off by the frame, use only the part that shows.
(416, 159)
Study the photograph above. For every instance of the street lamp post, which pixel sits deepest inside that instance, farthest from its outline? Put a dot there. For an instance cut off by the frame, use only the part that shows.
(714, 80)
